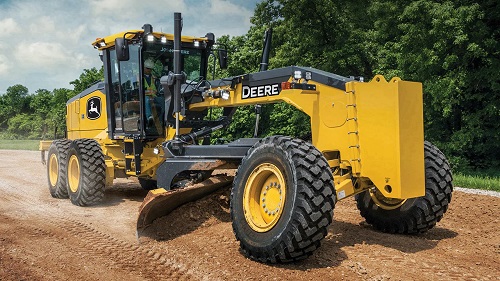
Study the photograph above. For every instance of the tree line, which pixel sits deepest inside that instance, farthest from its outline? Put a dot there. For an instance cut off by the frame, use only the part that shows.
(40, 115)
(452, 47)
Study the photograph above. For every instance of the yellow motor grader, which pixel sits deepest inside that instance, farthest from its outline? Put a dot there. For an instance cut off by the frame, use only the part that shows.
(367, 141)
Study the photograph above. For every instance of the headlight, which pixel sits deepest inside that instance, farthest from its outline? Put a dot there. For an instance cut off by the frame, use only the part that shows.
(297, 75)
(225, 95)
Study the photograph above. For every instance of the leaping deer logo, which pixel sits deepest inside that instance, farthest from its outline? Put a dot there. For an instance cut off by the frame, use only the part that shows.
(93, 108)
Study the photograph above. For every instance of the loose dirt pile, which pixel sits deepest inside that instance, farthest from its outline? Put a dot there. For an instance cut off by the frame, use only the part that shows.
(42, 238)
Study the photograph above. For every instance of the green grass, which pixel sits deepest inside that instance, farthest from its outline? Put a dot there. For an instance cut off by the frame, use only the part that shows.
(19, 144)
(477, 182)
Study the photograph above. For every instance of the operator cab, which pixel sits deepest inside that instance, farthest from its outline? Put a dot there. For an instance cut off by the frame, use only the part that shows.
(138, 104)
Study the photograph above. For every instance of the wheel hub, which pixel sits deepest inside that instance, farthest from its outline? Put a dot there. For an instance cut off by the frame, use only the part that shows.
(384, 202)
(73, 173)
(264, 197)
(53, 169)
(271, 199)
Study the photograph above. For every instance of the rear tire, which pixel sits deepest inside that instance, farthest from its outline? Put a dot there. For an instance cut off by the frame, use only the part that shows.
(415, 215)
(56, 168)
(293, 178)
(86, 173)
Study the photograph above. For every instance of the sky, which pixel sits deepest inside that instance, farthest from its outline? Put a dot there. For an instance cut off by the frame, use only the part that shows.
(46, 44)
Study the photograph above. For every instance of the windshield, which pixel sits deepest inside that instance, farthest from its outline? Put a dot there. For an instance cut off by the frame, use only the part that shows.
(161, 58)
(141, 103)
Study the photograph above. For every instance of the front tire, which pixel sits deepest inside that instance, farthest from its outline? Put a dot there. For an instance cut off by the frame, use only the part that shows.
(415, 215)
(86, 173)
(56, 168)
(282, 200)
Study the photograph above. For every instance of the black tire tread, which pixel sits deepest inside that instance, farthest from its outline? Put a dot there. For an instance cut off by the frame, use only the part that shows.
(426, 211)
(314, 208)
(93, 171)
(61, 147)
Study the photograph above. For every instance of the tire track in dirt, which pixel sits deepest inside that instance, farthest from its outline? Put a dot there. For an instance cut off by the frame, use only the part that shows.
(427, 269)
(131, 254)
(369, 254)
(67, 253)
(152, 264)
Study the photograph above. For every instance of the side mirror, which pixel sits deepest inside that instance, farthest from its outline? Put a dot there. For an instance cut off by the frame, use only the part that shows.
(122, 51)
(222, 58)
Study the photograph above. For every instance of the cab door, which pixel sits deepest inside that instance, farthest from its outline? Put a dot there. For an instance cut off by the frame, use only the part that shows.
(124, 93)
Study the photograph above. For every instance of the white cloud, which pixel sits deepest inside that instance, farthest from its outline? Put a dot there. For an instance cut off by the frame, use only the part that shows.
(77, 34)
(4, 65)
(46, 55)
(225, 8)
(131, 8)
(42, 25)
(46, 44)
(8, 27)
(123, 12)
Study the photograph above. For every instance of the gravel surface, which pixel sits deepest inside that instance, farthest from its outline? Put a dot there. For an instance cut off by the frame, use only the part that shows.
(42, 238)
(478, 191)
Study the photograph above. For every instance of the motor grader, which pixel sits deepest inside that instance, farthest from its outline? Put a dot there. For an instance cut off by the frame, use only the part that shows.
(367, 141)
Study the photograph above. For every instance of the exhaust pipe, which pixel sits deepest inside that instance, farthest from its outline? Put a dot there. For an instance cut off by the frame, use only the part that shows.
(264, 62)
(266, 50)
(177, 70)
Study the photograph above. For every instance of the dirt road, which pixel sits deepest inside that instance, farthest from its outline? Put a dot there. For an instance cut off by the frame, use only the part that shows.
(42, 238)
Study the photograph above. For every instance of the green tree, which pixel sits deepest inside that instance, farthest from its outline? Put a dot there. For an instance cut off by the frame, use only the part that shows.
(452, 48)
(87, 78)
(23, 125)
(57, 115)
(14, 101)
(41, 106)
(42, 114)
(41, 102)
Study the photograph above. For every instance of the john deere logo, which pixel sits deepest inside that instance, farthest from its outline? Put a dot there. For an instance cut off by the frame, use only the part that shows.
(94, 108)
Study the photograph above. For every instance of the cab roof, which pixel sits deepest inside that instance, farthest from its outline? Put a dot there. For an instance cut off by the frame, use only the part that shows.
(109, 41)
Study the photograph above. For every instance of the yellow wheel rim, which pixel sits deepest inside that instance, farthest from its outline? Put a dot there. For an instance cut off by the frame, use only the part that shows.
(53, 169)
(73, 173)
(264, 197)
(384, 202)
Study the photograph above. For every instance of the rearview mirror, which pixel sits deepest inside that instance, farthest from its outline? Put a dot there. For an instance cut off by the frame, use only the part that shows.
(122, 51)
(222, 58)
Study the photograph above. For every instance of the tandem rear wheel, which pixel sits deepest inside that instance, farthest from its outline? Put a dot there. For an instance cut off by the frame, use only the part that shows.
(414, 215)
(56, 168)
(86, 172)
(282, 200)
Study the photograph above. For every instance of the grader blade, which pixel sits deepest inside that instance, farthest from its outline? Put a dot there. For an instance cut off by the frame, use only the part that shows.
(160, 202)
